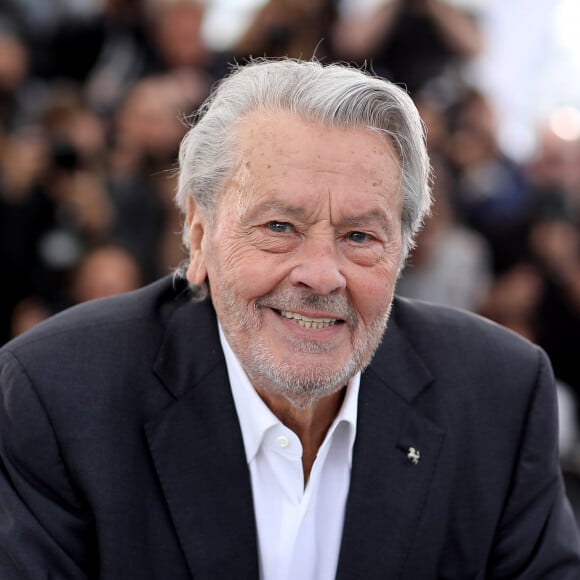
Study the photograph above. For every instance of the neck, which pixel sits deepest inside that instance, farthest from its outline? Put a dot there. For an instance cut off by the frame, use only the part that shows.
(309, 423)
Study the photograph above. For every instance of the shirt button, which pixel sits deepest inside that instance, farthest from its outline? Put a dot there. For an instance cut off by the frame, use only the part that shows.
(283, 441)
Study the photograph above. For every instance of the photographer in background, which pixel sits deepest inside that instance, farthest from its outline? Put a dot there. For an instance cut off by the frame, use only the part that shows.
(410, 41)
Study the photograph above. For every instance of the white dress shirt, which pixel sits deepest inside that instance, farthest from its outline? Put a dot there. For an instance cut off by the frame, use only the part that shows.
(299, 528)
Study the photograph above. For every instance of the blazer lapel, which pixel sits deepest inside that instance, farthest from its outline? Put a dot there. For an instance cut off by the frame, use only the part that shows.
(196, 445)
(395, 455)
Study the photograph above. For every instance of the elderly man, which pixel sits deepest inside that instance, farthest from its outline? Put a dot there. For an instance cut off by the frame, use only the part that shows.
(272, 412)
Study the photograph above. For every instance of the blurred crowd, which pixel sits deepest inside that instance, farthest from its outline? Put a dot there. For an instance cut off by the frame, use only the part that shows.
(95, 97)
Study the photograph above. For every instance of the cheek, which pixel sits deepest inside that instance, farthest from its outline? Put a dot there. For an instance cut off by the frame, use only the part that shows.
(372, 293)
(247, 273)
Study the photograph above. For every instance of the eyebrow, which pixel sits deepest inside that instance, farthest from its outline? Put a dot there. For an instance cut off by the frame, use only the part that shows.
(371, 217)
(292, 211)
(297, 212)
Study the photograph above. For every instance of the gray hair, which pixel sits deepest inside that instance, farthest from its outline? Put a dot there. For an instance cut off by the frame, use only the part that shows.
(333, 95)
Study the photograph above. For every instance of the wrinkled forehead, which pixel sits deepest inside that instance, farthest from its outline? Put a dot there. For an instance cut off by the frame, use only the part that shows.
(264, 137)
(277, 151)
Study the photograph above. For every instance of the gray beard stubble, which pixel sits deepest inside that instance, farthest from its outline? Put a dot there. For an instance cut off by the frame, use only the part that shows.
(281, 379)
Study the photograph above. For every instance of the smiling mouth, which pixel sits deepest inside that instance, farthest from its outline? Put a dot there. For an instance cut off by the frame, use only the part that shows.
(307, 322)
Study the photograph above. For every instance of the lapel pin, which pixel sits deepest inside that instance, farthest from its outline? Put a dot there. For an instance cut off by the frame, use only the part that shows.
(413, 455)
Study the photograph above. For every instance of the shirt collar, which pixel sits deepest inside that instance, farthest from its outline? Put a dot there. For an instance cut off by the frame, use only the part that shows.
(256, 418)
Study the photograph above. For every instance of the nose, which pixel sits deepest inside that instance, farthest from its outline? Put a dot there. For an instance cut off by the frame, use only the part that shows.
(318, 267)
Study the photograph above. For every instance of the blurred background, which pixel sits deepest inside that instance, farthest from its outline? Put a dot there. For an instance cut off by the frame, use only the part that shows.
(93, 97)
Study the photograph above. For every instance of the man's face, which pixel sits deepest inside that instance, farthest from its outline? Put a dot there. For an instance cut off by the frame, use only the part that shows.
(302, 253)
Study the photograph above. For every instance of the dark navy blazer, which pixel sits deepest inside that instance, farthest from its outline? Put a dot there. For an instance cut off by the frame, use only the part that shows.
(122, 456)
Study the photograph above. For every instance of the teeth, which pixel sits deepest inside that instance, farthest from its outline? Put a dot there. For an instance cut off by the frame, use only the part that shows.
(309, 322)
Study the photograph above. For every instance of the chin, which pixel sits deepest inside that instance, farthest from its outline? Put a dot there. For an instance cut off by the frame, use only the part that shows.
(301, 387)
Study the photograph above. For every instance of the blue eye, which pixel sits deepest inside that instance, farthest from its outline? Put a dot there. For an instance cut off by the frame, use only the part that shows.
(359, 237)
(280, 227)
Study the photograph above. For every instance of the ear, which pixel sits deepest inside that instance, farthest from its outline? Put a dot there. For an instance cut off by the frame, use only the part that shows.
(197, 225)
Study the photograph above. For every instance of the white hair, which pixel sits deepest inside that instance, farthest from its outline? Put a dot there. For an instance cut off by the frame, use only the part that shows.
(334, 95)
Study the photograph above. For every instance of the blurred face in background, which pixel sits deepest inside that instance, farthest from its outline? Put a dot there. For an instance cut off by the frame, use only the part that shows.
(13, 62)
(105, 272)
(149, 121)
(177, 35)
